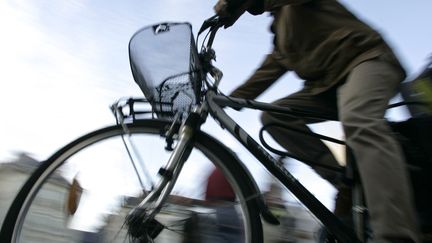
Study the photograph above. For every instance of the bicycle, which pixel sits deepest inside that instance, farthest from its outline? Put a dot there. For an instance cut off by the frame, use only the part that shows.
(175, 107)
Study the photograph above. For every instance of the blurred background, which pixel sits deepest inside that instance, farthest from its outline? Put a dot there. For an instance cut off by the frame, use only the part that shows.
(62, 64)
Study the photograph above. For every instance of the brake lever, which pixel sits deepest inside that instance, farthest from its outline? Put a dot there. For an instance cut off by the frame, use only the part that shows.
(209, 23)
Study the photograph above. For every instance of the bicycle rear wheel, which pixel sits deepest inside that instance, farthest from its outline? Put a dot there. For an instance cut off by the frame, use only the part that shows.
(86, 189)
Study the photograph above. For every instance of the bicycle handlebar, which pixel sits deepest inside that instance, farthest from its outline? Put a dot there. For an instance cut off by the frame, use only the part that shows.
(211, 22)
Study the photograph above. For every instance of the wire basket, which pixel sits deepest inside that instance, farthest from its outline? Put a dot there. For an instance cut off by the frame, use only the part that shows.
(165, 65)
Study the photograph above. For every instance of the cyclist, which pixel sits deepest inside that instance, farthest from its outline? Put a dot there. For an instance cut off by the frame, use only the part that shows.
(350, 75)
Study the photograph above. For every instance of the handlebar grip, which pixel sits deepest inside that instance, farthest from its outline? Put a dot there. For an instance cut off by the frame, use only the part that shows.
(211, 22)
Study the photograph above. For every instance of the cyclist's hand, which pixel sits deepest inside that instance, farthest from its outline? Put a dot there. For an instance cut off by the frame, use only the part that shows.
(221, 8)
(230, 10)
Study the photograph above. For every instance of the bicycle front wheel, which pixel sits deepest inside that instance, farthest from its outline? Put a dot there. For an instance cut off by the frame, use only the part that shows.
(86, 190)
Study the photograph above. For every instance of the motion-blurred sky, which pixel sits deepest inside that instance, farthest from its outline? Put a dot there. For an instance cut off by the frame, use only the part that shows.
(62, 63)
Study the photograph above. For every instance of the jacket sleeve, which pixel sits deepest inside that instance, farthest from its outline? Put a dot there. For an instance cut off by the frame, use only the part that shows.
(269, 71)
(269, 5)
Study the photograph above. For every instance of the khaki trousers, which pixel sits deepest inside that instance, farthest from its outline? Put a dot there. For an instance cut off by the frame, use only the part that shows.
(360, 104)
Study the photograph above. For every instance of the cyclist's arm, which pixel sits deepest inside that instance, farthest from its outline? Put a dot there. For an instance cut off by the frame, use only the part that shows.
(270, 4)
(260, 6)
(269, 71)
(233, 9)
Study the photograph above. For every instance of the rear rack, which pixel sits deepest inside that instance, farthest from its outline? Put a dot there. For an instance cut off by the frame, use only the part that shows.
(129, 110)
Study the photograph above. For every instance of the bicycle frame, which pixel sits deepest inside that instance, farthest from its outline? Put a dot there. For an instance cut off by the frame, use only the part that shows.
(213, 105)
(216, 102)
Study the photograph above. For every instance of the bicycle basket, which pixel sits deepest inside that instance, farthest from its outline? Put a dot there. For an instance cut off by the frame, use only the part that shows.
(165, 65)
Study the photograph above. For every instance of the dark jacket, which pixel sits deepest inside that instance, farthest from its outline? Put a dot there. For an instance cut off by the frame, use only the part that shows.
(320, 40)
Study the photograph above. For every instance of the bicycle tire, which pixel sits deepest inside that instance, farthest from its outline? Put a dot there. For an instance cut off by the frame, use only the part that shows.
(14, 223)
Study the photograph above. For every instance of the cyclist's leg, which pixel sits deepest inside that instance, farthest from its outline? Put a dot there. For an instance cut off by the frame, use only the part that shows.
(362, 102)
(307, 147)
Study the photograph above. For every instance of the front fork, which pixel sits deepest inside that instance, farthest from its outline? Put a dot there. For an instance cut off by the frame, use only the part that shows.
(153, 202)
